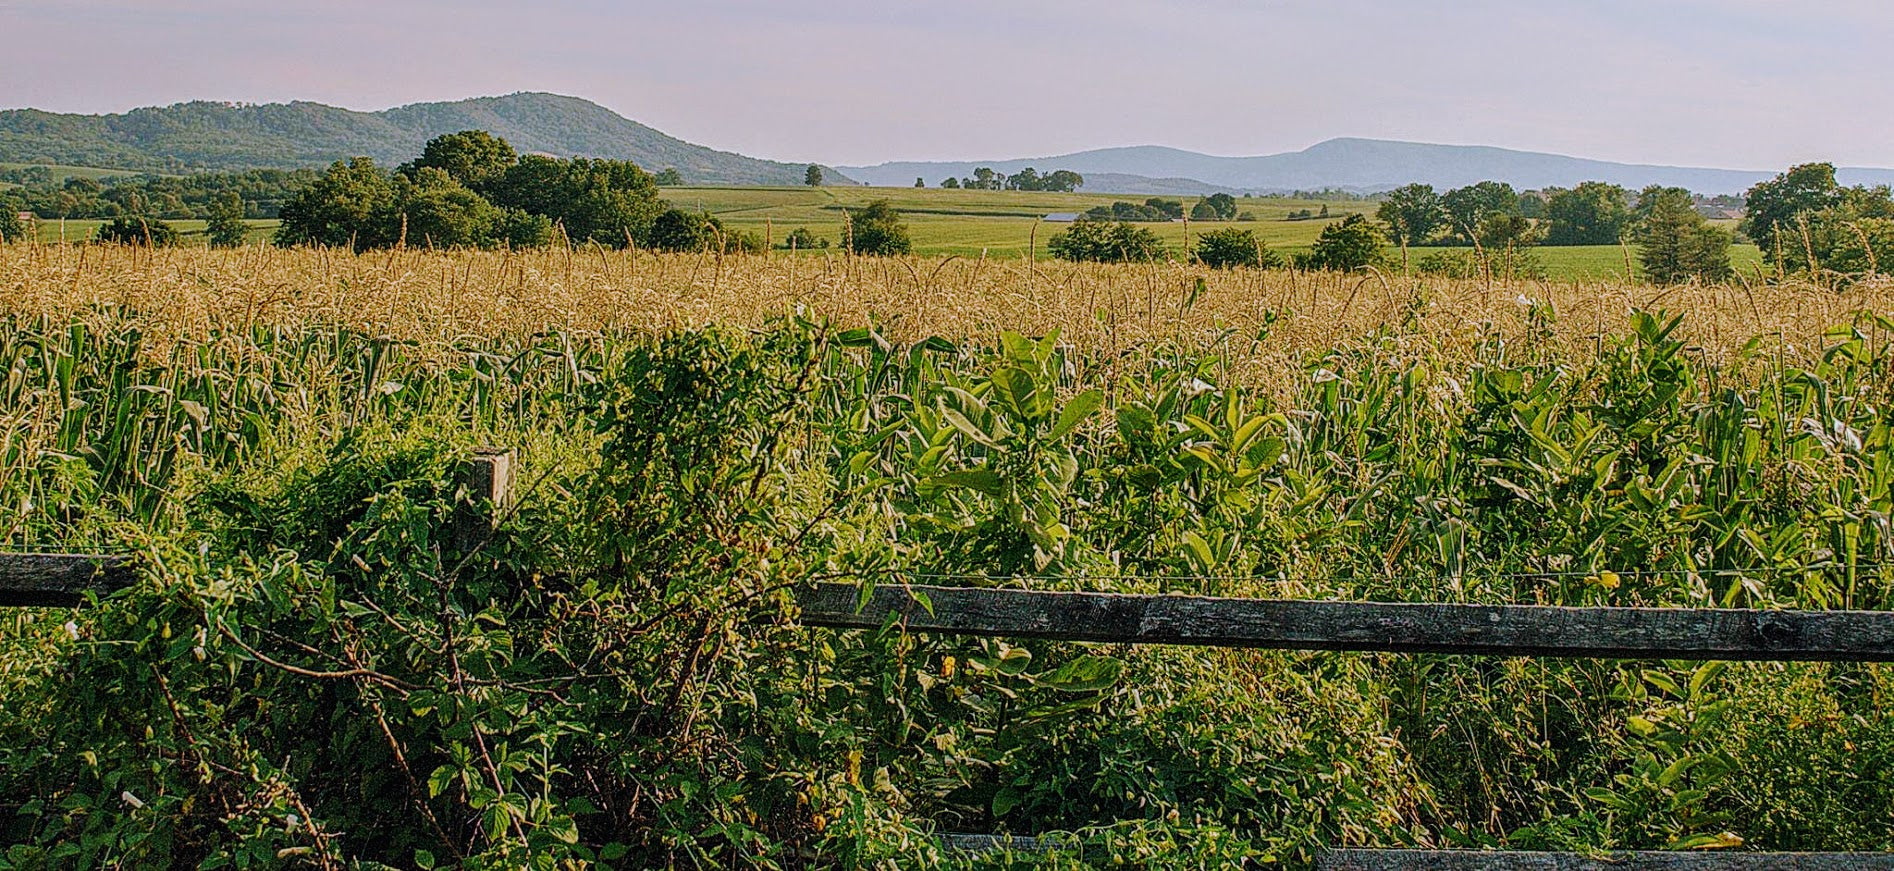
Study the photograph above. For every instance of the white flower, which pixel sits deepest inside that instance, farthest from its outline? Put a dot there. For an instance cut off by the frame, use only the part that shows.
(72, 629)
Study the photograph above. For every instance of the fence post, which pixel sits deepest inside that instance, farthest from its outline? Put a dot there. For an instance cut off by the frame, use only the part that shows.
(487, 480)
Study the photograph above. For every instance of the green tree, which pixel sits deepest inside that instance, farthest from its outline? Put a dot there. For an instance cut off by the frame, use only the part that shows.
(609, 202)
(950, 182)
(1024, 180)
(920, 182)
(800, 239)
(668, 178)
(1106, 242)
(1062, 180)
(1232, 247)
(1203, 211)
(475, 159)
(1347, 245)
(1675, 243)
(878, 229)
(518, 228)
(433, 209)
(678, 230)
(812, 176)
(339, 208)
(1466, 207)
(1594, 213)
(1412, 214)
(224, 223)
(132, 230)
(11, 229)
(1777, 210)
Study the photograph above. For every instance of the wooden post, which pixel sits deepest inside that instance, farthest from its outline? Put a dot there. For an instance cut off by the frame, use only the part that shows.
(488, 481)
(60, 580)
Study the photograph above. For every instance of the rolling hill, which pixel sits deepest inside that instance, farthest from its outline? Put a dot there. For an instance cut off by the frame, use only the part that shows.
(1364, 165)
(227, 136)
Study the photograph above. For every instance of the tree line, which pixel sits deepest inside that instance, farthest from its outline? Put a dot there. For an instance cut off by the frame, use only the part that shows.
(1028, 179)
(261, 193)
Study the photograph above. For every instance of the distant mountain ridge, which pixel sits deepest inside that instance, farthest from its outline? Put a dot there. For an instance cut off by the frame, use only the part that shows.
(1363, 165)
(228, 136)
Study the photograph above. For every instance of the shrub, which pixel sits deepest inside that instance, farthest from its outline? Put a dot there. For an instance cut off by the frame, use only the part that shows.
(1231, 247)
(1106, 242)
(138, 231)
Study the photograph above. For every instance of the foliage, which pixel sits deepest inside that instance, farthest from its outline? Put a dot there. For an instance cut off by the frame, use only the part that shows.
(1466, 207)
(1593, 213)
(878, 229)
(801, 239)
(1411, 213)
(1106, 242)
(668, 177)
(678, 230)
(475, 159)
(261, 191)
(1029, 179)
(341, 208)
(1675, 243)
(1777, 209)
(225, 227)
(138, 231)
(1231, 247)
(1152, 209)
(11, 229)
(1347, 245)
(812, 176)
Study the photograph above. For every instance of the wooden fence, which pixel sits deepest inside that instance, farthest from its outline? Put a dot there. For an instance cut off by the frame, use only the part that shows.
(64, 580)
(1497, 630)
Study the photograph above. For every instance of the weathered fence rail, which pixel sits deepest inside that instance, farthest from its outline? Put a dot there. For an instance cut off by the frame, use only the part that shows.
(1500, 630)
(1507, 630)
(1484, 860)
(59, 580)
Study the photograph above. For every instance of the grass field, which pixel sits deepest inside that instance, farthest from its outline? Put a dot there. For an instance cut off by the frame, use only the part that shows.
(1005, 223)
(191, 231)
(318, 663)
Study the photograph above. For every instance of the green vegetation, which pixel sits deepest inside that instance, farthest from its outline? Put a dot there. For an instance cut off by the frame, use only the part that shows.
(1106, 242)
(1805, 222)
(49, 194)
(1675, 244)
(314, 668)
(1232, 247)
(878, 229)
(197, 136)
(138, 231)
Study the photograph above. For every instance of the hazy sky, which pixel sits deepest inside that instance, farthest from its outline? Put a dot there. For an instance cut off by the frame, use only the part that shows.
(1733, 83)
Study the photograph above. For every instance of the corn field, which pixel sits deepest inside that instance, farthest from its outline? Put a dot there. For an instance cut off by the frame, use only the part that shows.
(618, 677)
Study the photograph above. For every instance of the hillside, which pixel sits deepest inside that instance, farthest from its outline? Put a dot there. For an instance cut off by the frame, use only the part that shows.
(224, 136)
(1356, 164)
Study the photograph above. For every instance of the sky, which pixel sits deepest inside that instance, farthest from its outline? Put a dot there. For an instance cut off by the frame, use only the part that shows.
(1747, 84)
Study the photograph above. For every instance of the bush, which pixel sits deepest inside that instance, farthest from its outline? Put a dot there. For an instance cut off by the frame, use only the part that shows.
(1231, 247)
(800, 239)
(1103, 242)
(878, 229)
(1353, 243)
(138, 231)
(678, 230)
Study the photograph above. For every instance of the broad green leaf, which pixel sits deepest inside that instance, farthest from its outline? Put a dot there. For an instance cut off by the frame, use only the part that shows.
(1077, 410)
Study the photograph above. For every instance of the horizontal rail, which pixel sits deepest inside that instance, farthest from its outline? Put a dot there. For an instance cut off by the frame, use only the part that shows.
(1501, 630)
(1486, 860)
(60, 580)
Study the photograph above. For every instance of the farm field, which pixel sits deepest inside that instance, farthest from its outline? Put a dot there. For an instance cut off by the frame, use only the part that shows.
(967, 223)
(617, 674)
(191, 232)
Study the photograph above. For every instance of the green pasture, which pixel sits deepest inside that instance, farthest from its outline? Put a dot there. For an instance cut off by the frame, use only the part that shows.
(192, 231)
(1007, 223)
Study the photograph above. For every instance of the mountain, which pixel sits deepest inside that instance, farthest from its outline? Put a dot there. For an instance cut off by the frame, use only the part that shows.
(226, 136)
(1357, 164)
